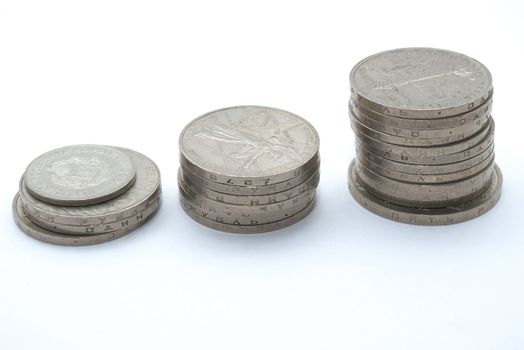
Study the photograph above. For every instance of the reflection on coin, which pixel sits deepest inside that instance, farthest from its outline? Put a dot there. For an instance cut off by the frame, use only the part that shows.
(249, 145)
(420, 83)
(80, 175)
(438, 216)
(41, 234)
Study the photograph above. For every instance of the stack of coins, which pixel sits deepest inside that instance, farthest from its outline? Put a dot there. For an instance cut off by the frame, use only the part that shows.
(424, 136)
(248, 169)
(86, 194)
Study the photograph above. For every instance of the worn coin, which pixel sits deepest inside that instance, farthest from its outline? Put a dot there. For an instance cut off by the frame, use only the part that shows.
(249, 145)
(80, 175)
(424, 216)
(420, 83)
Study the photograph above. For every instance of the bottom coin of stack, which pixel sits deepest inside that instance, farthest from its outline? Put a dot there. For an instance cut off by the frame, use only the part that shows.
(248, 169)
(86, 194)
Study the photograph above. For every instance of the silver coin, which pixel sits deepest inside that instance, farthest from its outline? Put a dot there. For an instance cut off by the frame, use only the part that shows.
(233, 217)
(421, 169)
(249, 145)
(47, 236)
(253, 190)
(482, 112)
(255, 211)
(420, 83)
(80, 175)
(439, 216)
(423, 178)
(251, 229)
(249, 200)
(413, 137)
(424, 195)
(426, 155)
(135, 199)
(92, 229)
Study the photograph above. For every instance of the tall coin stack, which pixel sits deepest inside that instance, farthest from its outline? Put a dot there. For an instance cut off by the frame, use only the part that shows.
(248, 169)
(424, 136)
(86, 194)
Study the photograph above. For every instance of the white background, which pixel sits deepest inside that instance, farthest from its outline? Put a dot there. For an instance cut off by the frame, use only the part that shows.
(133, 73)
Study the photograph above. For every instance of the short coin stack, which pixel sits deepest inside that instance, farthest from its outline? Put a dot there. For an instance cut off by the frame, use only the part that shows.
(248, 169)
(424, 136)
(86, 194)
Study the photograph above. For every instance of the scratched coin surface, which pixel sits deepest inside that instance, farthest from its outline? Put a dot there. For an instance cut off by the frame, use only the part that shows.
(80, 175)
(420, 83)
(249, 145)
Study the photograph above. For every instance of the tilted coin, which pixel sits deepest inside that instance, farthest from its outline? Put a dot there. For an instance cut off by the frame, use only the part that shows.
(423, 216)
(424, 195)
(246, 190)
(216, 225)
(420, 155)
(249, 145)
(481, 112)
(421, 169)
(420, 83)
(47, 236)
(423, 178)
(80, 175)
(412, 137)
(134, 199)
(250, 200)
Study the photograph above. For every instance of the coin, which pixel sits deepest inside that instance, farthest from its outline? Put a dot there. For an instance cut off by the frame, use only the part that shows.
(423, 216)
(421, 169)
(249, 190)
(216, 225)
(80, 175)
(424, 195)
(47, 236)
(420, 83)
(135, 199)
(423, 178)
(426, 127)
(250, 200)
(249, 145)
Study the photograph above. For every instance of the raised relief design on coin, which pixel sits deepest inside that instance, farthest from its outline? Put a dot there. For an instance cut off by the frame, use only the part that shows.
(80, 175)
(249, 141)
(422, 80)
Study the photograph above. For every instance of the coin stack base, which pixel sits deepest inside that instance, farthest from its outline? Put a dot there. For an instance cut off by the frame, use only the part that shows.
(86, 194)
(248, 169)
(424, 137)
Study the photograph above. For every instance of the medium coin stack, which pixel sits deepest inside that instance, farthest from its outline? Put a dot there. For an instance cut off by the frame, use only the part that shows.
(248, 169)
(424, 136)
(86, 194)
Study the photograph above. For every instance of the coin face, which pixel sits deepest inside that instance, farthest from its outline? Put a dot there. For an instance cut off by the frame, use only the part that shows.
(249, 142)
(80, 175)
(420, 83)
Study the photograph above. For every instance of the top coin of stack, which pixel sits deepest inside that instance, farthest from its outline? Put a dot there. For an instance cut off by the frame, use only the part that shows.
(86, 194)
(248, 169)
(424, 136)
